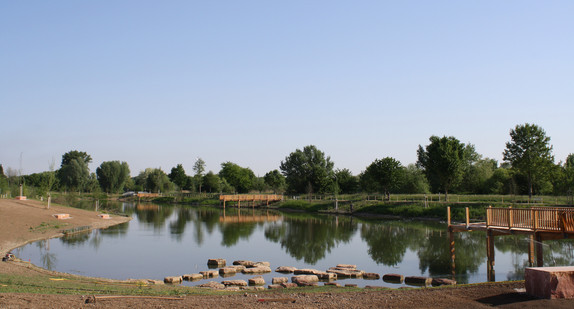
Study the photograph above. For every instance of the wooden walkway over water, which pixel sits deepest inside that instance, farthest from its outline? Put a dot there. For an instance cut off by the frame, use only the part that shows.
(267, 198)
(539, 223)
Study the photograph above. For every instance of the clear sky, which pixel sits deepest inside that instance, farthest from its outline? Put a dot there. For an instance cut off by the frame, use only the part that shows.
(159, 83)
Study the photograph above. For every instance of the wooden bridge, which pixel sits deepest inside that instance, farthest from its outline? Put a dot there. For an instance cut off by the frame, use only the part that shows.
(267, 198)
(539, 223)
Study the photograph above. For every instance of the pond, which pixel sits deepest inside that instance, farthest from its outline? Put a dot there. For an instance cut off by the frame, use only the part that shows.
(164, 241)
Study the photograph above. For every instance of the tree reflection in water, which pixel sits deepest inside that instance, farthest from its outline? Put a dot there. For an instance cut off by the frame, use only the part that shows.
(310, 239)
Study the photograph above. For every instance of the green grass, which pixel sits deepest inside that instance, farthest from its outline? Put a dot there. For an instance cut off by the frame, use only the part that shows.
(45, 226)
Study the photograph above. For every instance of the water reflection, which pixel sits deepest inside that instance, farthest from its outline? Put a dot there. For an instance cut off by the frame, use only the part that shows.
(310, 238)
(284, 238)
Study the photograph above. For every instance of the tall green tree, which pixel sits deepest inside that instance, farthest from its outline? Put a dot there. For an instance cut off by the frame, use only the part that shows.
(199, 168)
(178, 176)
(158, 181)
(241, 178)
(113, 176)
(530, 153)
(212, 182)
(308, 171)
(387, 174)
(443, 161)
(347, 182)
(275, 180)
(74, 173)
(415, 181)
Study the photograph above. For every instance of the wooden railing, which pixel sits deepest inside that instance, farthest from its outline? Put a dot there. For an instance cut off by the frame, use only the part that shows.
(251, 197)
(536, 218)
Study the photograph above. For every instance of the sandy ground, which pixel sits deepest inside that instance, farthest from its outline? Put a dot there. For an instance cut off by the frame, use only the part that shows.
(21, 222)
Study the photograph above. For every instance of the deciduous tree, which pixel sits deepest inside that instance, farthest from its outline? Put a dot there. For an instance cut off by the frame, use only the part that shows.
(386, 173)
(113, 176)
(308, 171)
(530, 153)
(443, 161)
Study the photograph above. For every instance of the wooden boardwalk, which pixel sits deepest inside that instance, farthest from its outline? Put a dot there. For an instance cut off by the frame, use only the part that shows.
(539, 223)
(267, 198)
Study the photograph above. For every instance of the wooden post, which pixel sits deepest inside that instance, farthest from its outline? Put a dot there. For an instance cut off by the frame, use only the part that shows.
(490, 256)
(467, 218)
(452, 255)
(510, 223)
(535, 220)
(531, 251)
(488, 215)
(539, 251)
(448, 215)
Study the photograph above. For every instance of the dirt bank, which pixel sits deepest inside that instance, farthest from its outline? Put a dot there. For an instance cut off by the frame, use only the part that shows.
(25, 221)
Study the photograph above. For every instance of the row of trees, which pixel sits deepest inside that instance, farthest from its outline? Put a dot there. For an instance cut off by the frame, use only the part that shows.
(444, 165)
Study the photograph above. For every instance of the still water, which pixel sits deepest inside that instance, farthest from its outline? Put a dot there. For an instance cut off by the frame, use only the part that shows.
(164, 241)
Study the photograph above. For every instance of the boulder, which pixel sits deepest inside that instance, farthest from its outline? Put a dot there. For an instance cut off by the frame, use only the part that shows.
(256, 281)
(212, 285)
(393, 278)
(285, 269)
(234, 283)
(257, 270)
(550, 282)
(274, 286)
(238, 268)
(192, 277)
(244, 263)
(332, 284)
(216, 262)
(348, 273)
(305, 280)
(305, 271)
(227, 271)
(232, 288)
(418, 281)
(209, 274)
(346, 266)
(289, 285)
(442, 281)
(371, 276)
(323, 275)
(279, 280)
(177, 279)
(262, 264)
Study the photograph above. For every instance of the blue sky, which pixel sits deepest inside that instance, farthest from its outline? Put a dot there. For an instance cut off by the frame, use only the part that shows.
(159, 83)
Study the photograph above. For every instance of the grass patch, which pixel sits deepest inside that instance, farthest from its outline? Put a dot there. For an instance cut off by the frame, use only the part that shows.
(45, 226)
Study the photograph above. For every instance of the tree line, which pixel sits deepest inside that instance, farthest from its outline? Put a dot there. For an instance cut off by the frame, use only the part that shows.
(445, 165)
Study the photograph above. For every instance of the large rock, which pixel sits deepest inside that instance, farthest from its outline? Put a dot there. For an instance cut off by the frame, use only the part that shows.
(285, 269)
(257, 270)
(262, 264)
(192, 277)
(244, 263)
(209, 274)
(216, 262)
(212, 285)
(234, 283)
(305, 280)
(371, 276)
(305, 271)
(418, 281)
(238, 268)
(346, 266)
(227, 271)
(393, 278)
(177, 279)
(256, 281)
(550, 282)
(279, 280)
(289, 285)
(323, 275)
(346, 273)
(442, 281)
(275, 286)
